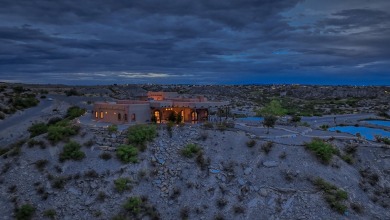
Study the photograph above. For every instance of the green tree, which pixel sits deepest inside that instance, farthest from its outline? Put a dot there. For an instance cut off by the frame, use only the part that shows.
(269, 121)
(273, 108)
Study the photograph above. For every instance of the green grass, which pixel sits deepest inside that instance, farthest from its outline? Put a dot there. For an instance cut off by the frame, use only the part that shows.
(71, 151)
(322, 150)
(190, 150)
(127, 153)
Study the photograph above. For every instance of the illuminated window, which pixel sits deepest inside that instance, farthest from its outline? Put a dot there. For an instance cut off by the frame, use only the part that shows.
(194, 116)
(101, 114)
(96, 115)
(157, 116)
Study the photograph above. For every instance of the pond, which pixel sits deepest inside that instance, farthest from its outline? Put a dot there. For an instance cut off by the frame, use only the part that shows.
(252, 119)
(379, 122)
(367, 133)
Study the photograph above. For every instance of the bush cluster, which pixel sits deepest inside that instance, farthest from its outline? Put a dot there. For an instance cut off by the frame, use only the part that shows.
(190, 150)
(322, 150)
(137, 208)
(61, 131)
(23, 102)
(37, 129)
(140, 134)
(74, 112)
(24, 212)
(334, 197)
(122, 184)
(127, 153)
(251, 143)
(71, 151)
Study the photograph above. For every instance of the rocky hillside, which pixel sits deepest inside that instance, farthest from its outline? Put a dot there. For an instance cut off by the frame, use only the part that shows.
(193, 172)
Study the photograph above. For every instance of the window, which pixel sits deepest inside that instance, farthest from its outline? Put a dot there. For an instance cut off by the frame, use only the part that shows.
(157, 116)
(101, 114)
(132, 117)
(125, 117)
(119, 116)
(96, 114)
(194, 116)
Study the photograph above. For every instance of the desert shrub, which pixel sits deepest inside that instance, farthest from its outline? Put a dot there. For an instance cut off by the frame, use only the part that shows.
(238, 209)
(89, 143)
(322, 150)
(37, 129)
(251, 143)
(24, 212)
(127, 153)
(101, 196)
(348, 158)
(133, 205)
(184, 213)
(208, 125)
(54, 120)
(122, 184)
(91, 174)
(33, 142)
(71, 151)
(58, 182)
(72, 92)
(202, 161)
(283, 155)
(105, 156)
(357, 207)
(74, 112)
(23, 102)
(203, 136)
(40, 164)
(3, 151)
(351, 149)
(140, 134)
(5, 168)
(333, 196)
(266, 147)
(18, 89)
(112, 128)
(50, 213)
(295, 118)
(61, 131)
(324, 127)
(190, 150)
(221, 203)
(369, 175)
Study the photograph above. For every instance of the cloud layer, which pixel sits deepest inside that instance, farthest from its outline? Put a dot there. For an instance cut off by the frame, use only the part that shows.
(185, 41)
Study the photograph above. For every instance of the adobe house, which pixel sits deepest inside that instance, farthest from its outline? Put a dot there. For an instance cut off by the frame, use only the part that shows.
(158, 105)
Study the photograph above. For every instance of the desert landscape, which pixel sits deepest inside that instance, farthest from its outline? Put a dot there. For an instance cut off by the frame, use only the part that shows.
(57, 162)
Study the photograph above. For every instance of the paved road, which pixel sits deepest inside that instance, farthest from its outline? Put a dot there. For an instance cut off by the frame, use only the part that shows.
(25, 115)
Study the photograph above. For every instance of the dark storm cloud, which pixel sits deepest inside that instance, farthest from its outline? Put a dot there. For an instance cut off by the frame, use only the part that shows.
(187, 41)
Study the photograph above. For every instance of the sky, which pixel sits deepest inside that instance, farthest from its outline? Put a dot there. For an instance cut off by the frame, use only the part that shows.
(92, 42)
